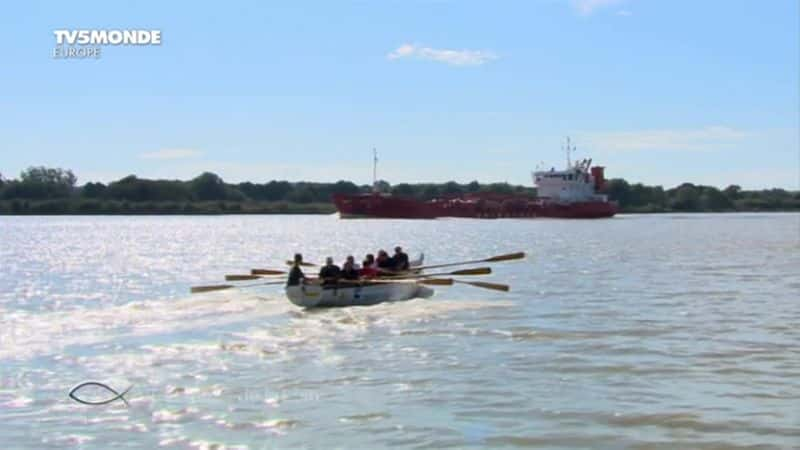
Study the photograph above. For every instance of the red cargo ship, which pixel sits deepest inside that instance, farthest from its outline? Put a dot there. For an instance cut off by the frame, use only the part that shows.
(571, 193)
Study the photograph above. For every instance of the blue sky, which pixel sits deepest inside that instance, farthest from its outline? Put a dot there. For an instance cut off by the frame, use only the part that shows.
(659, 92)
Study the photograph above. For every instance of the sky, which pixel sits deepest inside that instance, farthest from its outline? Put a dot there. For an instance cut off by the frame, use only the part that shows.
(658, 92)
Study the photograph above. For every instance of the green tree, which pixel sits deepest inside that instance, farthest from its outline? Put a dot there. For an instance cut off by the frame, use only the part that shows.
(686, 197)
(404, 189)
(208, 186)
(733, 191)
(42, 183)
(451, 188)
(93, 190)
(714, 200)
(619, 190)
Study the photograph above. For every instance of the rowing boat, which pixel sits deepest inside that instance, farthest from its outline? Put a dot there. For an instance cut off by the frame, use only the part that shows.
(314, 295)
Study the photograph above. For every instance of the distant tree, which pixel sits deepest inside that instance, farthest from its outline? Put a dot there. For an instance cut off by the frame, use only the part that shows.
(685, 197)
(733, 191)
(619, 190)
(383, 186)
(404, 189)
(277, 190)
(345, 187)
(451, 188)
(430, 191)
(42, 183)
(303, 193)
(714, 200)
(93, 190)
(208, 186)
(473, 186)
(500, 188)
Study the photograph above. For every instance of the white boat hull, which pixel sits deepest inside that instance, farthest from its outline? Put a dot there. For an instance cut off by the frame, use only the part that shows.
(310, 296)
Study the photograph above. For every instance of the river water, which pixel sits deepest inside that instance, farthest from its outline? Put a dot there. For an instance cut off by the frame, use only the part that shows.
(642, 331)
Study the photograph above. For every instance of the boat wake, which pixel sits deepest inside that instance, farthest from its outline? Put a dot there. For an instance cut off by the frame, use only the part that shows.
(27, 334)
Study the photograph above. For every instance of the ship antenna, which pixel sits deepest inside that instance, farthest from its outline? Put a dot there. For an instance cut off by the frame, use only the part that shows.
(569, 163)
(374, 170)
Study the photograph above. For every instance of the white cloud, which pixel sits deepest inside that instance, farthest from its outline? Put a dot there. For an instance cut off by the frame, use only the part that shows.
(587, 7)
(452, 57)
(708, 138)
(171, 153)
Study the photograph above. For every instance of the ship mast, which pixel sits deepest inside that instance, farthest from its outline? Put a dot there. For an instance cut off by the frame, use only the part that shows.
(374, 170)
(569, 149)
(566, 149)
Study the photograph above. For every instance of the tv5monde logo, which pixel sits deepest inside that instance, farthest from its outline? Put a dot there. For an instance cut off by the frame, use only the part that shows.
(89, 44)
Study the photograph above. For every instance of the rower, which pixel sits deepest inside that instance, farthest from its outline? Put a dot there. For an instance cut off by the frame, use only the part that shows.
(349, 270)
(369, 268)
(384, 261)
(296, 275)
(330, 272)
(400, 259)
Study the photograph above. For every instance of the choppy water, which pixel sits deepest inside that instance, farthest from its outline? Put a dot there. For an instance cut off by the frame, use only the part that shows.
(669, 331)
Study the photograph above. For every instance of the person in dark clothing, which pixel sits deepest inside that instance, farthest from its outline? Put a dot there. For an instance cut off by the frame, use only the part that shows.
(329, 273)
(384, 261)
(296, 275)
(400, 259)
(349, 271)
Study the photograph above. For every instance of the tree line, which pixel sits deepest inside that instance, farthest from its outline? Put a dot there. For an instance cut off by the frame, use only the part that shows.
(43, 190)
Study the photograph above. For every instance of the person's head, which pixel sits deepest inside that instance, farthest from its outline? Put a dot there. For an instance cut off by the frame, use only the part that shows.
(328, 261)
(298, 258)
(382, 254)
(398, 249)
(370, 258)
(350, 259)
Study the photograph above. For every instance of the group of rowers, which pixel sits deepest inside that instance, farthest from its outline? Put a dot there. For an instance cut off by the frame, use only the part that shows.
(371, 267)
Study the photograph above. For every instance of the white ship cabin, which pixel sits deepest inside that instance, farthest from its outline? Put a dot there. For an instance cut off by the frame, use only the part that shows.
(575, 184)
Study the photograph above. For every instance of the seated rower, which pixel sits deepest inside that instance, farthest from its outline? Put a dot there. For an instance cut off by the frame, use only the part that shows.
(400, 260)
(349, 270)
(369, 268)
(296, 275)
(384, 261)
(329, 273)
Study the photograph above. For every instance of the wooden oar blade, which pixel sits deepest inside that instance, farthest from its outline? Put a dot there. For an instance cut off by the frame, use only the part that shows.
(485, 285)
(508, 257)
(267, 272)
(242, 277)
(477, 271)
(437, 281)
(218, 287)
(305, 264)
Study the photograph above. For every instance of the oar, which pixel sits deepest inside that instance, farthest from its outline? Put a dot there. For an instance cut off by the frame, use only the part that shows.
(477, 271)
(221, 287)
(498, 258)
(307, 264)
(267, 272)
(430, 281)
(485, 285)
(245, 277)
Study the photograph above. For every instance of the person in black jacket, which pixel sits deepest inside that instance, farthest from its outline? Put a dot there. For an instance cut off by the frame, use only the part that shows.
(296, 275)
(329, 273)
(349, 270)
(400, 259)
(384, 261)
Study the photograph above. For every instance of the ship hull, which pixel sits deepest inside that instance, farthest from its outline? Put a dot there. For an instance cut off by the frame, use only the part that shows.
(379, 206)
(389, 207)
